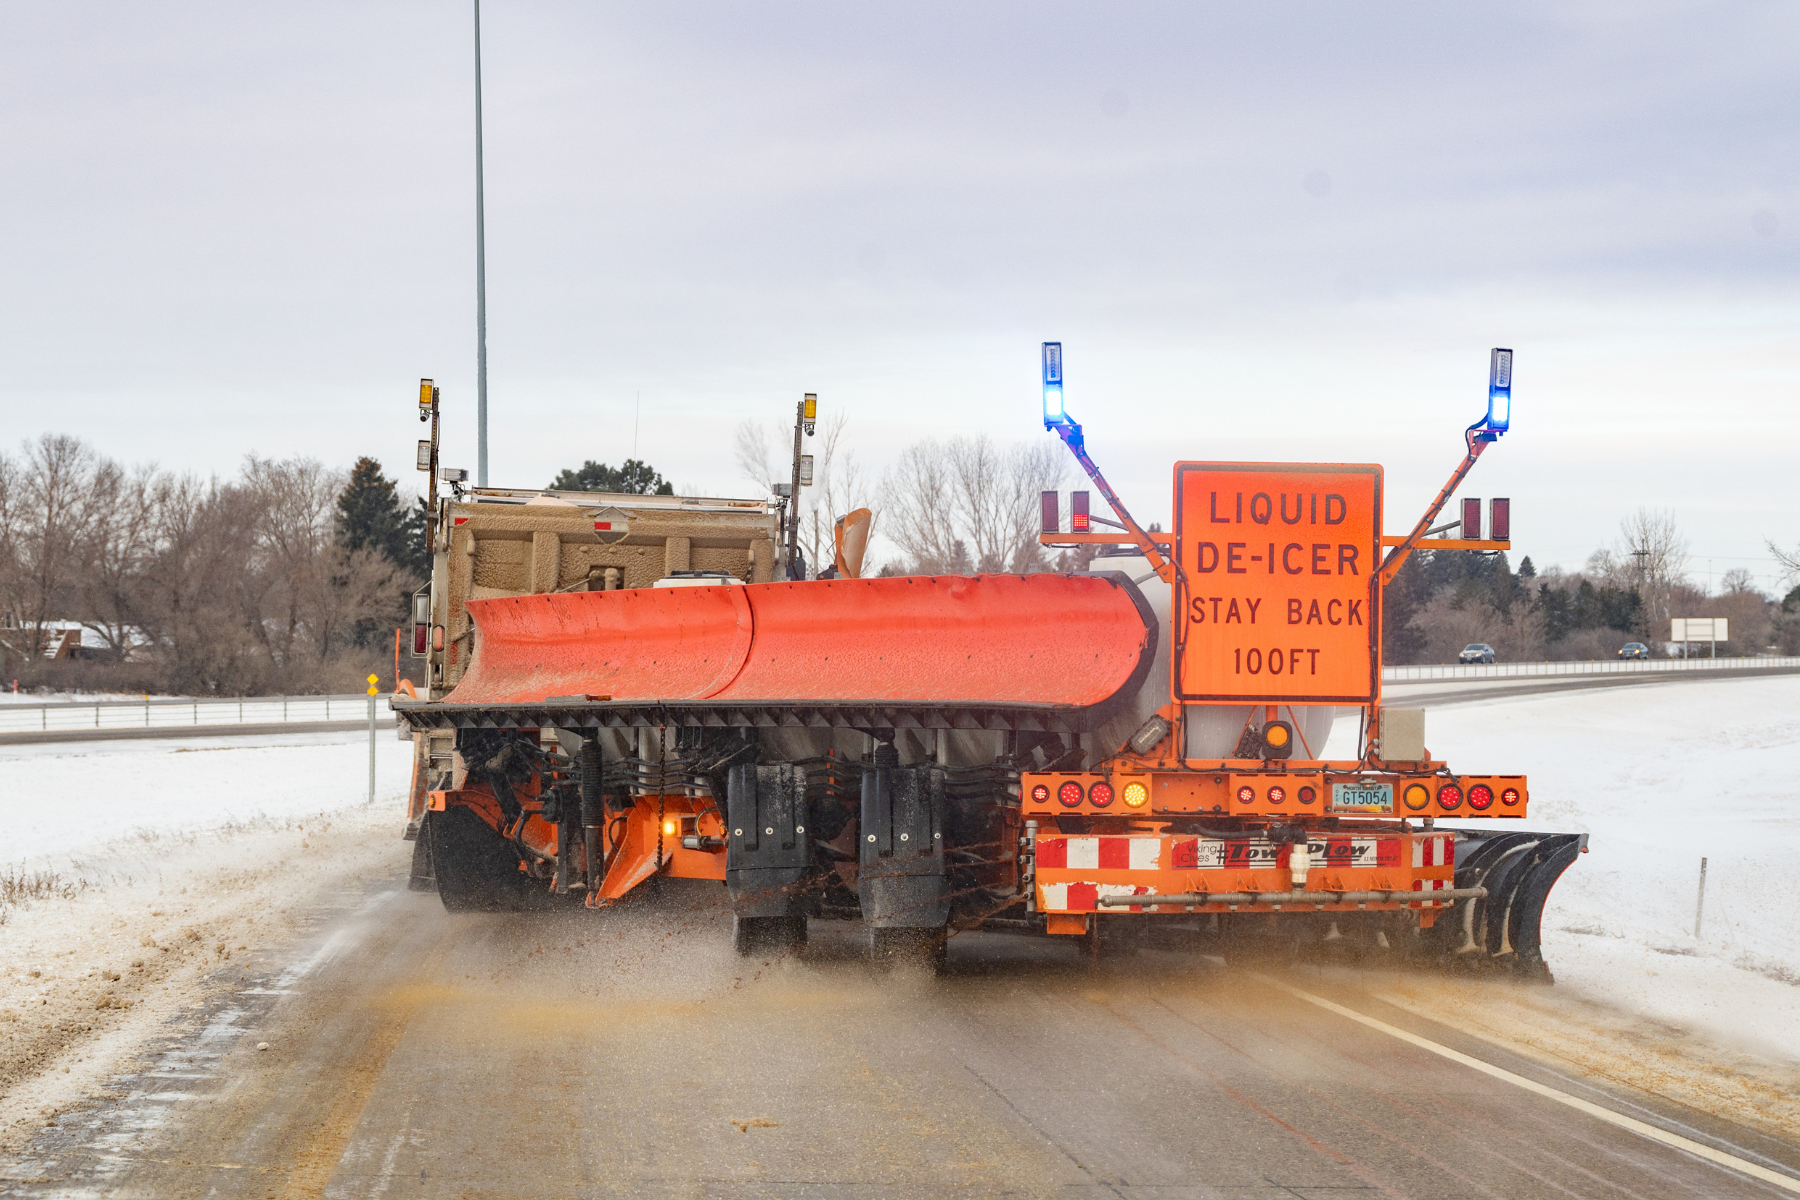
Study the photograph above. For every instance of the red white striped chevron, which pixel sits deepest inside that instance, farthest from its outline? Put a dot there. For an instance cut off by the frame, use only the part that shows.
(1436, 851)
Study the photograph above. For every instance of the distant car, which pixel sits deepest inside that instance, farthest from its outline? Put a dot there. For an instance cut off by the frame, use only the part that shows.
(1476, 652)
(1634, 650)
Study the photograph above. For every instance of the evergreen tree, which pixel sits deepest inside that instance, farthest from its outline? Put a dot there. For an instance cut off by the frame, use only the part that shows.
(371, 516)
(631, 477)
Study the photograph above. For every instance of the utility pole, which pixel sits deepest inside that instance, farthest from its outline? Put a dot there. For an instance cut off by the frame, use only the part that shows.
(805, 414)
(481, 438)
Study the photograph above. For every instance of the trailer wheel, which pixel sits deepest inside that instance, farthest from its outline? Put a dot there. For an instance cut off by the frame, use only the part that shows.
(778, 935)
(476, 869)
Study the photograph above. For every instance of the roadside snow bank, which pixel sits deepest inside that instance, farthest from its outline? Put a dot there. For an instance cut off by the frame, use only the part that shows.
(232, 845)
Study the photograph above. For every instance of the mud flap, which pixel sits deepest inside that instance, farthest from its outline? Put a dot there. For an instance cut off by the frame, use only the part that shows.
(421, 879)
(901, 878)
(476, 869)
(1504, 930)
(767, 851)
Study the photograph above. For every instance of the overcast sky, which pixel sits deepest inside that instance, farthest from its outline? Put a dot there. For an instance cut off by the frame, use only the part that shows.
(1272, 231)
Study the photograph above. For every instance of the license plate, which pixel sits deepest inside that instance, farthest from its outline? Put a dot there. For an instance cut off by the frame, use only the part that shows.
(1362, 797)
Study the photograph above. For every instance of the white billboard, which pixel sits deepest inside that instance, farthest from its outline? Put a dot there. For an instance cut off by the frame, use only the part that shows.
(1699, 629)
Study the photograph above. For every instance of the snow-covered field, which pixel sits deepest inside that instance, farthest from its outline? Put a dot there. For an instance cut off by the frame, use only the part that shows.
(80, 807)
(1660, 776)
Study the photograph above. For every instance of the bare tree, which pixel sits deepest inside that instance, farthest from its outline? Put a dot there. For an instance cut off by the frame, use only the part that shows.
(967, 505)
(50, 512)
(1653, 555)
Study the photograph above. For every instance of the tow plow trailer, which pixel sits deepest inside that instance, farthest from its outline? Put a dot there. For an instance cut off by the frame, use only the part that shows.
(1132, 752)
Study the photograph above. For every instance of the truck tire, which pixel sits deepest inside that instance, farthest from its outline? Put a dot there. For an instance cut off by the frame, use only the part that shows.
(762, 935)
(476, 869)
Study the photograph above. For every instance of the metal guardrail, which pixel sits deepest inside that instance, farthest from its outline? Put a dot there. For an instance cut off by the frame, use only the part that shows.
(212, 712)
(1623, 667)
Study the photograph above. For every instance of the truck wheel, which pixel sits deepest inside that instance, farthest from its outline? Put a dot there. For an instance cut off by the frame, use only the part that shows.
(776, 935)
(476, 870)
(920, 947)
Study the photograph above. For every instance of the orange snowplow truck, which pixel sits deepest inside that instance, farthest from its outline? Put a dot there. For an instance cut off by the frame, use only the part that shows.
(1133, 751)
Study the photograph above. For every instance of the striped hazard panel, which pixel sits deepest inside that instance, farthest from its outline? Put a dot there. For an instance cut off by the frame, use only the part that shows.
(1167, 866)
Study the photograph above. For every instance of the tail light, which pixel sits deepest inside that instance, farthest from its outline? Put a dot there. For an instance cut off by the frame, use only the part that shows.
(1040, 793)
(1471, 521)
(1136, 795)
(1277, 795)
(1481, 797)
(1308, 795)
(1246, 794)
(1069, 794)
(1415, 796)
(1101, 794)
(1509, 796)
(1449, 796)
(1051, 505)
(1078, 512)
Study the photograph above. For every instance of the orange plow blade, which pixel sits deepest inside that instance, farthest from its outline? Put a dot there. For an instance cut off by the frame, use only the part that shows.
(1058, 641)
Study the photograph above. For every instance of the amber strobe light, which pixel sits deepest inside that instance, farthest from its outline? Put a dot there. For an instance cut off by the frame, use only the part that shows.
(1277, 739)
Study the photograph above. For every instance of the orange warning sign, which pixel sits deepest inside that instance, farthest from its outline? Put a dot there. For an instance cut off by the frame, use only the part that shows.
(1275, 599)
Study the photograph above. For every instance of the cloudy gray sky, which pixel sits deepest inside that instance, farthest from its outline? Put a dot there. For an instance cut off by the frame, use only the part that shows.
(1282, 231)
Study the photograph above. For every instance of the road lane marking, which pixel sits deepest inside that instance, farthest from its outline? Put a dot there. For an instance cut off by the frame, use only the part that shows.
(1698, 1149)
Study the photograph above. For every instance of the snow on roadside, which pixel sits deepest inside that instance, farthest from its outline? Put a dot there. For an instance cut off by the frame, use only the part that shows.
(228, 844)
(1660, 776)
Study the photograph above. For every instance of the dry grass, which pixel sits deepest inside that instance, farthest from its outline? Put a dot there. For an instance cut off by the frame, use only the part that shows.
(19, 886)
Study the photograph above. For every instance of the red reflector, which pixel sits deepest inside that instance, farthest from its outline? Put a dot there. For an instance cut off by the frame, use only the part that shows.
(1101, 794)
(602, 524)
(420, 634)
(1481, 796)
(1277, 795)
(1246, 794)
(1069, 793)
(1509, 796)
(1471, 522)
(1449, 796)
(458, 520)
(1500, 512)
(1040, 793)
(1308, 795)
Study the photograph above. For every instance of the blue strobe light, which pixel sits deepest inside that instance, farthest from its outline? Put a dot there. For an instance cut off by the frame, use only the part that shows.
(1500, 390)
(1053, 385)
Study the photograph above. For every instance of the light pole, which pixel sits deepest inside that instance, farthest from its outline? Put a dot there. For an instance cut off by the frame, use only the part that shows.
(481, 439)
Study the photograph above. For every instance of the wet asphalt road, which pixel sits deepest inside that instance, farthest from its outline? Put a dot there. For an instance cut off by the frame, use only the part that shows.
(630, 1053)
